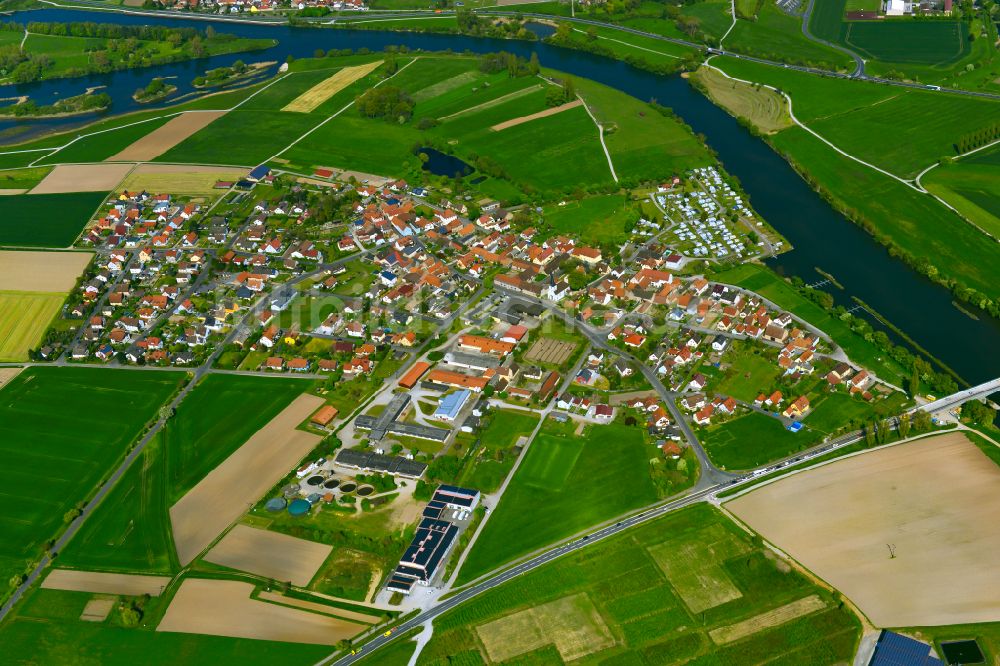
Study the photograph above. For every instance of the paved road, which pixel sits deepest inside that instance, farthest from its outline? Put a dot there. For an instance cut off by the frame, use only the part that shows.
(859, 63)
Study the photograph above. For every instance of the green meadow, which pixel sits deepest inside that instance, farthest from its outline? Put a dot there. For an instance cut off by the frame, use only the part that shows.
(690, 588)
(61, 432)
(776, 35)
(101, 146)
(598, 219)
(911, 220)
(565, 483)
(30, 219)
(902, 131)
(752, 440)
(644, 144)
(973, 187)
(907, 41)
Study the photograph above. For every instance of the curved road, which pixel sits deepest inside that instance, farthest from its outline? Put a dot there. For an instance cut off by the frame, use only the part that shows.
(859, 63)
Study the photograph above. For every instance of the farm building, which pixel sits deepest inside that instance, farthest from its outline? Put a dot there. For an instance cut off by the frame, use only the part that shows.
(430, 546)
(450, 406)
(374, 462)
(895, 649)
(454, 497)
(409, 380)
(323, 416)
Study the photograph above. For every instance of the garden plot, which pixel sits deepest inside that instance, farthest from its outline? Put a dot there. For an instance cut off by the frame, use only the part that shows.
(572, 624)
(907, 532)
(551, 351)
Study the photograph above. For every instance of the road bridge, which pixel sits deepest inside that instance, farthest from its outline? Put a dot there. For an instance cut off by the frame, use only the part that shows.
(956, 399)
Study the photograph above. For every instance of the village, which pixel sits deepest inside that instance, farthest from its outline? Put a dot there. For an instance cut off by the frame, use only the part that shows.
(425, 321)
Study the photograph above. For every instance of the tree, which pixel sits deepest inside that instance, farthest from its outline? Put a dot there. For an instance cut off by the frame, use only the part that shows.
(914, 384)
(344, 645)
(870, 434)
(978, 412)
(904, 426)
(922, 421)
(533, 65)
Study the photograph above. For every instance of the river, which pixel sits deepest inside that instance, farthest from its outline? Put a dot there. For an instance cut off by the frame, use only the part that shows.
(822, 237)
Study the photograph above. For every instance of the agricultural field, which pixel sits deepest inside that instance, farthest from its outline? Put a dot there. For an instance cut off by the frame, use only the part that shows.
(20, 180)
(199, 180)
(752, 440)
(690, 587)
(973, 187)
(765, 108)
(937, 43)
(314, 97)
(28, 219)
(47, 629)
(159, 138)
(776, 35)
(565, 483)
(82, 178)
(217, 417)
(58, 439)
(933, 498)
(24, 318)
(224, 140)
(104, 145)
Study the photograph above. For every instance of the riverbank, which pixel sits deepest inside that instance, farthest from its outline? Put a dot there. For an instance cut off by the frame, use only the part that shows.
(89, 102)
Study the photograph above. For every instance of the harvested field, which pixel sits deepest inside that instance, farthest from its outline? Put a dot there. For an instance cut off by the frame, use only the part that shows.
(7, 374)
(771, 618)
(41, 271)
(934, 501)
(573, 624)
(179, 178)
(694, 567)
(219, 499)
(24, 316)
(97, 610)
(270, 554)
(167, 136)
(82, 178)
(494, 102)
(224, 608)
(319, 608)
(549, 350)
(514, 122)
(319, 93)
(105, 583)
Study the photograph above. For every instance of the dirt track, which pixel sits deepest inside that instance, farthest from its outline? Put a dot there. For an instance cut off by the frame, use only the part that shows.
(933, 501)
(82, 178)
(166, 136)
(224, 608)
(513, 122)
(270, 554)
(105, 583)
(319, 608)
(224, 495)
(44, 272)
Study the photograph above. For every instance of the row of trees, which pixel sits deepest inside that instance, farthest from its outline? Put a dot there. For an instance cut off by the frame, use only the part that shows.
(979, 138)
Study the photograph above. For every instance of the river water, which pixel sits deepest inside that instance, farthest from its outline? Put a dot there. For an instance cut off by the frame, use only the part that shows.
(822, 237)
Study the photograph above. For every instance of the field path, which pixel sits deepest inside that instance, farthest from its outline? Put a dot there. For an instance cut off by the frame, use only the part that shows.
(600, 136)
(514, 122)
